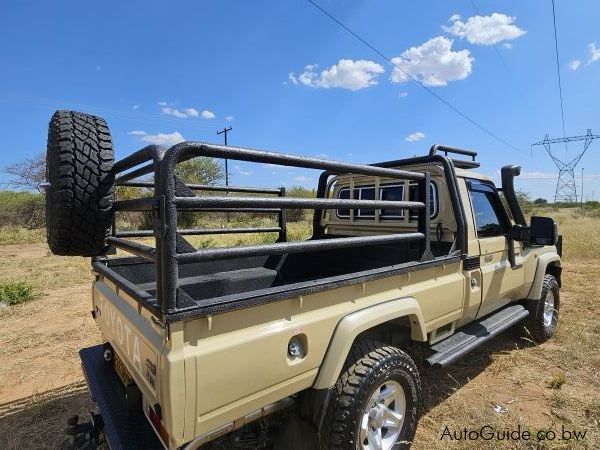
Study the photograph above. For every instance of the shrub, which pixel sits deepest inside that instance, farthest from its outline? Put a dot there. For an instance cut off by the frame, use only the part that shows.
(22, 209)
(297, 215)
(133, 220)
(557, 381)
(13, 293)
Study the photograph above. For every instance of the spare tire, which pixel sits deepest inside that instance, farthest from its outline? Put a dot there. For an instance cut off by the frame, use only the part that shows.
(80, 190)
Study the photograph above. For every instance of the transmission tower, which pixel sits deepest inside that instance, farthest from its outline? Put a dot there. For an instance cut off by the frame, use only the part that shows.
(566, 190)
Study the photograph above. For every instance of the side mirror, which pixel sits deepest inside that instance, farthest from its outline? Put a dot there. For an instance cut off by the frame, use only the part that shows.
(520, 233)
(543, 231)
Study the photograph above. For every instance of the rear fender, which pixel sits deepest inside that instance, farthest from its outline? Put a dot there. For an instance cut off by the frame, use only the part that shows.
(353, 324)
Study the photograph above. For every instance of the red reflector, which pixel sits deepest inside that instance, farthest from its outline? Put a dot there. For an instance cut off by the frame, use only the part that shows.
(158, 426)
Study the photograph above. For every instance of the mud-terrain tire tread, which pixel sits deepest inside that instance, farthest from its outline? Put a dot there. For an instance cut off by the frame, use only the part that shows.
(535, 321)
(80, 195)
(366, 366)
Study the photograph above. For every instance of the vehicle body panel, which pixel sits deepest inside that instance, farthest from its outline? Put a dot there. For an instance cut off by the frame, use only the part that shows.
(215, 370)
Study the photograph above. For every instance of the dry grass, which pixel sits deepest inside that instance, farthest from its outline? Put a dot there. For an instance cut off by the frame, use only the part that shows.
(581, 237)
(40, 379)
(524, 378)
(14, 235)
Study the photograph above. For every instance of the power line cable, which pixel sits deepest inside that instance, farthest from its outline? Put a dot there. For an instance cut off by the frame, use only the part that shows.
(107, 111)
(437, 96)
(562, 110)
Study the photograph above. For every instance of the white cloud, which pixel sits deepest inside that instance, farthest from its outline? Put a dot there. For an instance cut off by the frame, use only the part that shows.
(166, 139)
(574, 65)
(346, 74)
(206, 114)
(538, 175)
(403, 94)
(485, 30)
(433, 63)
(414, 137)
(135, 107)
(162, 103)
(301, 179)
(229, 118)
(507, 45)
(182, 114)
(243, 171)
(454, 18)
(594, 52)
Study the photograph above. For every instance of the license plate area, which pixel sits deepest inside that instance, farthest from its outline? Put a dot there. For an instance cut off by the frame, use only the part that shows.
(122, 371)
(133, 394)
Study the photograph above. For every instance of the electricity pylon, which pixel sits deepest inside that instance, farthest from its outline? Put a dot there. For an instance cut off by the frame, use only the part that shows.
(566, 190)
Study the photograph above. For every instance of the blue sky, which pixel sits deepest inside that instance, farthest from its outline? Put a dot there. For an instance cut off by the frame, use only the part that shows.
(287, 78)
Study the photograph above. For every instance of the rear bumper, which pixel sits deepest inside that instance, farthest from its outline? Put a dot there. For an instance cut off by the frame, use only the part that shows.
(124, 429)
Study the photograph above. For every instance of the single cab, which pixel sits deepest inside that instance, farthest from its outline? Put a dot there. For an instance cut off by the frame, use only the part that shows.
(202, 344)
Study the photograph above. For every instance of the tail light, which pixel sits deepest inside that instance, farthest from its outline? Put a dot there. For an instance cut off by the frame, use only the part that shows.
(156, 422)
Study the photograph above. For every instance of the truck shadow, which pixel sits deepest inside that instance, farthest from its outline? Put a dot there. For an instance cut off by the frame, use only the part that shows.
(38, 421)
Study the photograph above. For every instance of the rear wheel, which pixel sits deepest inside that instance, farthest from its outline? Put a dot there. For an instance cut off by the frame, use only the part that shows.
(543, 313)
(375, 401)
(79, 196)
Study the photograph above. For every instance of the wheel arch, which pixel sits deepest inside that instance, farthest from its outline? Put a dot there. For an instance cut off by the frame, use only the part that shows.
(406, 310)
(548, 263)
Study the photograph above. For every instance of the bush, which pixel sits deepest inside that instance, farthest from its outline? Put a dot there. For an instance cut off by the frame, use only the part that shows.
(13, 293)
(133, 220)
(22, 209)
(297, 215)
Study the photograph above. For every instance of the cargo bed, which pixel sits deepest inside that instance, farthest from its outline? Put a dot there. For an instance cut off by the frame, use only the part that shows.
(177, 281)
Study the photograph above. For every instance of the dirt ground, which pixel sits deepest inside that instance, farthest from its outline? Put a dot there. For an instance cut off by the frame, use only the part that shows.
(41, 383)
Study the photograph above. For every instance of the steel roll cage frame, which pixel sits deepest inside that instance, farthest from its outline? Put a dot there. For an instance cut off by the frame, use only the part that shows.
(170, 197)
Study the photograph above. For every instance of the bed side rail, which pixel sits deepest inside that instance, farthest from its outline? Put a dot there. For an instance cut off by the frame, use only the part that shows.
(171, 196)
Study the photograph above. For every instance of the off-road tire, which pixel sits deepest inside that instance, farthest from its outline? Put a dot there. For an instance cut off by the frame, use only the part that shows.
(535, 322)
(79, 198)
(369, 364)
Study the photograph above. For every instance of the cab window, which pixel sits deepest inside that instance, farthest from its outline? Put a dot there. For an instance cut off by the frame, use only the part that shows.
(490, 217)
(388, 192)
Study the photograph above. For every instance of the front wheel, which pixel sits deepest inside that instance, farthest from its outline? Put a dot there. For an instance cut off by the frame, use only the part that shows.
(375, 402)
(543, 313)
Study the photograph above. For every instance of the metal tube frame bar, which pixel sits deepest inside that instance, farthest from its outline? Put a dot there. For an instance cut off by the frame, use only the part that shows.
(165, 205)
(201, 231)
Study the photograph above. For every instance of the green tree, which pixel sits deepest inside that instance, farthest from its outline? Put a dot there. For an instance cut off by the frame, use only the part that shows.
(201, 170)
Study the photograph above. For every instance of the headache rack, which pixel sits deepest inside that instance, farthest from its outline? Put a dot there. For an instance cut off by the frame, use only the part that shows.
(154, 168)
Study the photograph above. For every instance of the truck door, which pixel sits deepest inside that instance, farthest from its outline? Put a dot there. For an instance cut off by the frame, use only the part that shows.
(499, 280)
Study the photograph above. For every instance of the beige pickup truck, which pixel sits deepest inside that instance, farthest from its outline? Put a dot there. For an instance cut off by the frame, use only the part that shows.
(201, 345)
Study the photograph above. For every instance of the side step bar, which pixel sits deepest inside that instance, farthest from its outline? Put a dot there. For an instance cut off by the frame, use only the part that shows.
(475, 334)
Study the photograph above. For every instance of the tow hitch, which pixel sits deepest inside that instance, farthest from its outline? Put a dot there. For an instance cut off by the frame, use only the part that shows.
(84, 435)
